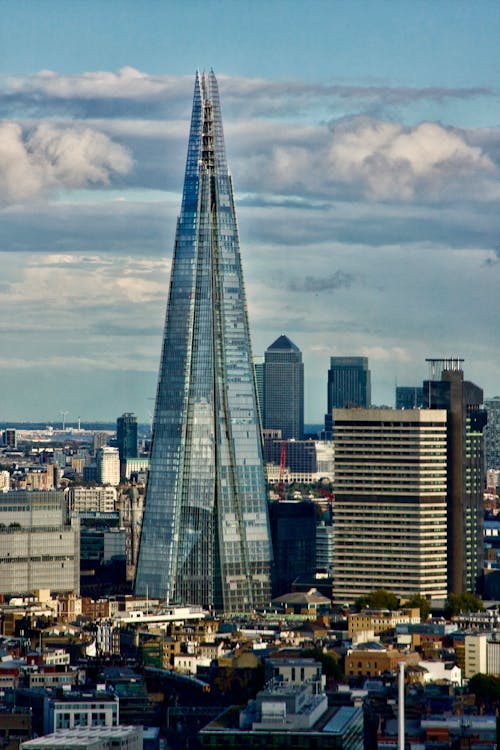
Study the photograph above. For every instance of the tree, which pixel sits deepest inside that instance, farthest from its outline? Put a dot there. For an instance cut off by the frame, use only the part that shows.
(330, 665)
(486, 689)
(417, 600)
(379, 599)
(464, 602)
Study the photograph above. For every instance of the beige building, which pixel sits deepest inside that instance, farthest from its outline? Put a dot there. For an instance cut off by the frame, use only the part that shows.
(85, 499)
(108, 466)
(379, 620)
(389, 518)
(476, 648)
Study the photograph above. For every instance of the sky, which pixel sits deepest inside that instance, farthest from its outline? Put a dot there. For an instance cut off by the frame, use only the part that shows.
(364, 143)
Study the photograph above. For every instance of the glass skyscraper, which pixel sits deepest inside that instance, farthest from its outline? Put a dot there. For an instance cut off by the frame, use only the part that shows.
(205, 536)
(284, 388)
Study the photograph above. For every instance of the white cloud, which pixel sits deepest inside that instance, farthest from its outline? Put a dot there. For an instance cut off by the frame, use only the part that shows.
(396, 162)
(48, 157)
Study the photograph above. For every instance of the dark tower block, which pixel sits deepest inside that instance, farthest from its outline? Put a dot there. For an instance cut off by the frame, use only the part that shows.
(284, 388)
(465, 453)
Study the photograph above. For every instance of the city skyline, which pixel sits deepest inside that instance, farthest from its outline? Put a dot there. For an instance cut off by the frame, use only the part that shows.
(364, 145)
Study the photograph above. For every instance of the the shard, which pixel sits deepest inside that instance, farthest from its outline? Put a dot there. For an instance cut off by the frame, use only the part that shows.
(205, 535)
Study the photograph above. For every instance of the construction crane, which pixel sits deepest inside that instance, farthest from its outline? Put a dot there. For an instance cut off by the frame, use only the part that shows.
(281, 480)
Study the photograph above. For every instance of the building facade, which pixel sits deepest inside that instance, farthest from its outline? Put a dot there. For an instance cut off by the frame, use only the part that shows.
(293, 532)
(409, 397)
(466, 420)
(349, 384)
(205, 536)
(389, 516)
(492, 433)
(108, 466)
(284, 388)
(39, 548)
(126, 436)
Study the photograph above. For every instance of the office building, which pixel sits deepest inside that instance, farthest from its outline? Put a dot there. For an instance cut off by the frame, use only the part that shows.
(324, 547)
(349, 384)
(284, 388)
(205, 536)
(409, 397)
(287, 715)
(39, 547)
(462, 400)
(108, 466)
(126, 436)
(389, 516)
(293, 533)
(492, 433)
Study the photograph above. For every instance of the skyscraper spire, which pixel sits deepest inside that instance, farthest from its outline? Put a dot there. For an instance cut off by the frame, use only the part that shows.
(205, 536)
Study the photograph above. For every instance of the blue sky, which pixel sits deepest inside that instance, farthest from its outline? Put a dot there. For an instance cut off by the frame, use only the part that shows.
(365, 146)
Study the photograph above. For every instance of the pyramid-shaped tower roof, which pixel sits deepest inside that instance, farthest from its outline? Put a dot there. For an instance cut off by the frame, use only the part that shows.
(283, 343)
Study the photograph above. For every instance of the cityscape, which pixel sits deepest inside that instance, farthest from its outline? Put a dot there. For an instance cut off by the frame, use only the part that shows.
(296, 542)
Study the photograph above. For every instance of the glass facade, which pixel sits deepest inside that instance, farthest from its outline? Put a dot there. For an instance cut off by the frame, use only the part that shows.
(205, 536)
(284, 388)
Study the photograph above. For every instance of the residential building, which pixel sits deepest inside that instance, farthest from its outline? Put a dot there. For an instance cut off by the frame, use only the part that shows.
(205, 535)
(372, 659)
(88, 499)
(108, 466)
(284, 388)
(447, 389)
(389, 515)
(378, 621)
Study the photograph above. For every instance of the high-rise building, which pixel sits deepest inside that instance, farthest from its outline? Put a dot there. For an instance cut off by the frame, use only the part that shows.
(462, 400)
(349, 384)
(293, 531)
(205, 536)
(9, 437)
(492, 433)
(126, 436)
(409, 397)
(108, 466)
(389, 516)
(284, 388)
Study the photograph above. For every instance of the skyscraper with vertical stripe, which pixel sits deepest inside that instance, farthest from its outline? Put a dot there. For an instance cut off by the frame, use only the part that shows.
(205, 536)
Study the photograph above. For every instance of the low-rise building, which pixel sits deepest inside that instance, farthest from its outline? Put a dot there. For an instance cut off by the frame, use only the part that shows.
(90, 738)
(380, 620)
